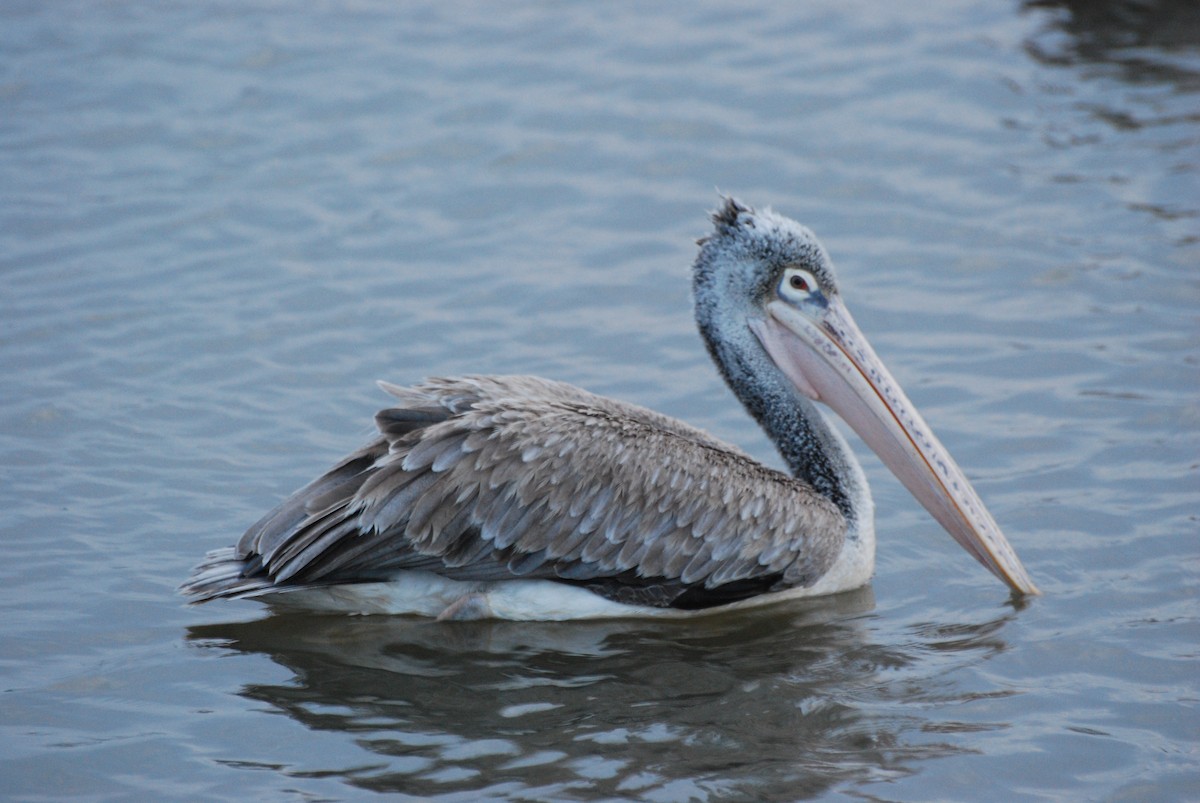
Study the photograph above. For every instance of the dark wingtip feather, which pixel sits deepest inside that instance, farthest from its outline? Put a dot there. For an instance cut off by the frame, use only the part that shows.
(396, 422)
(223, 573)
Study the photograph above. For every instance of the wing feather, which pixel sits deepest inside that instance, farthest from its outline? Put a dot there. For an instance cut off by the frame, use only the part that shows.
(493, 477)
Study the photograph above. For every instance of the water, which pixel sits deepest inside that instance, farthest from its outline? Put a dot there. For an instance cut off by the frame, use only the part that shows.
(223, 221)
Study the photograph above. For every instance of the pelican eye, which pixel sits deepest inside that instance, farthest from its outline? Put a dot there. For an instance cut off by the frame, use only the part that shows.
(797, 285)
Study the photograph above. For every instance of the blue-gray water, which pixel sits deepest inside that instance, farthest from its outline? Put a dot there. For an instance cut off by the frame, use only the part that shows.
(222, 221)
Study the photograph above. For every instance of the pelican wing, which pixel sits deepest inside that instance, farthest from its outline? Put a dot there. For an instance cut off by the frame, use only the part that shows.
(494, 478)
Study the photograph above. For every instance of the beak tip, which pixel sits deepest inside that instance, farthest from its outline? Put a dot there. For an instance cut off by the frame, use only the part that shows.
(1022, 587)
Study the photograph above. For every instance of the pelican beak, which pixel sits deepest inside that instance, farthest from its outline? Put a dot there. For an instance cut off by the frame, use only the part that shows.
(829, 360)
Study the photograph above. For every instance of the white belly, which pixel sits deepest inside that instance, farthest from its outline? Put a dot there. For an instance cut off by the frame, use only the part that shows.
(420, 593)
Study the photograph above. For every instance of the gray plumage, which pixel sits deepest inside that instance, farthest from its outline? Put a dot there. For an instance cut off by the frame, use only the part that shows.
(484, 479)
(490, 478)
(478, 483)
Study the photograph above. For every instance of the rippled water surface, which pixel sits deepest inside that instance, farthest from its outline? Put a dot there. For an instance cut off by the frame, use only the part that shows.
(222, 221)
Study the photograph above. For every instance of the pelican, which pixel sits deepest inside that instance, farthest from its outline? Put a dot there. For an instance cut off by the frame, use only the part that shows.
(516, 497)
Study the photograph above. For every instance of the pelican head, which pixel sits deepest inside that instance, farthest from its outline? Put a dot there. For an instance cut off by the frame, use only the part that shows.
(769, 308)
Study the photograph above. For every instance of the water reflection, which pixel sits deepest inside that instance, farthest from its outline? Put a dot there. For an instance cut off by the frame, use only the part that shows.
(781, 702)
(1151, 48)
(1132, 35)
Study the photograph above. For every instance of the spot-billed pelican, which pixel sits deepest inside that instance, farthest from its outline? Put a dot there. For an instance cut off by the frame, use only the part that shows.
(521, 498)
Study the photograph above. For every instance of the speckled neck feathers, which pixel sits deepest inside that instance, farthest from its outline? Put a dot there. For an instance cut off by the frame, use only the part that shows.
(735, 271)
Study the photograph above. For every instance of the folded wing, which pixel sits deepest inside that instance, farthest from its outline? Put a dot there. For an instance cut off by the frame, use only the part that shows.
(501, 478)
